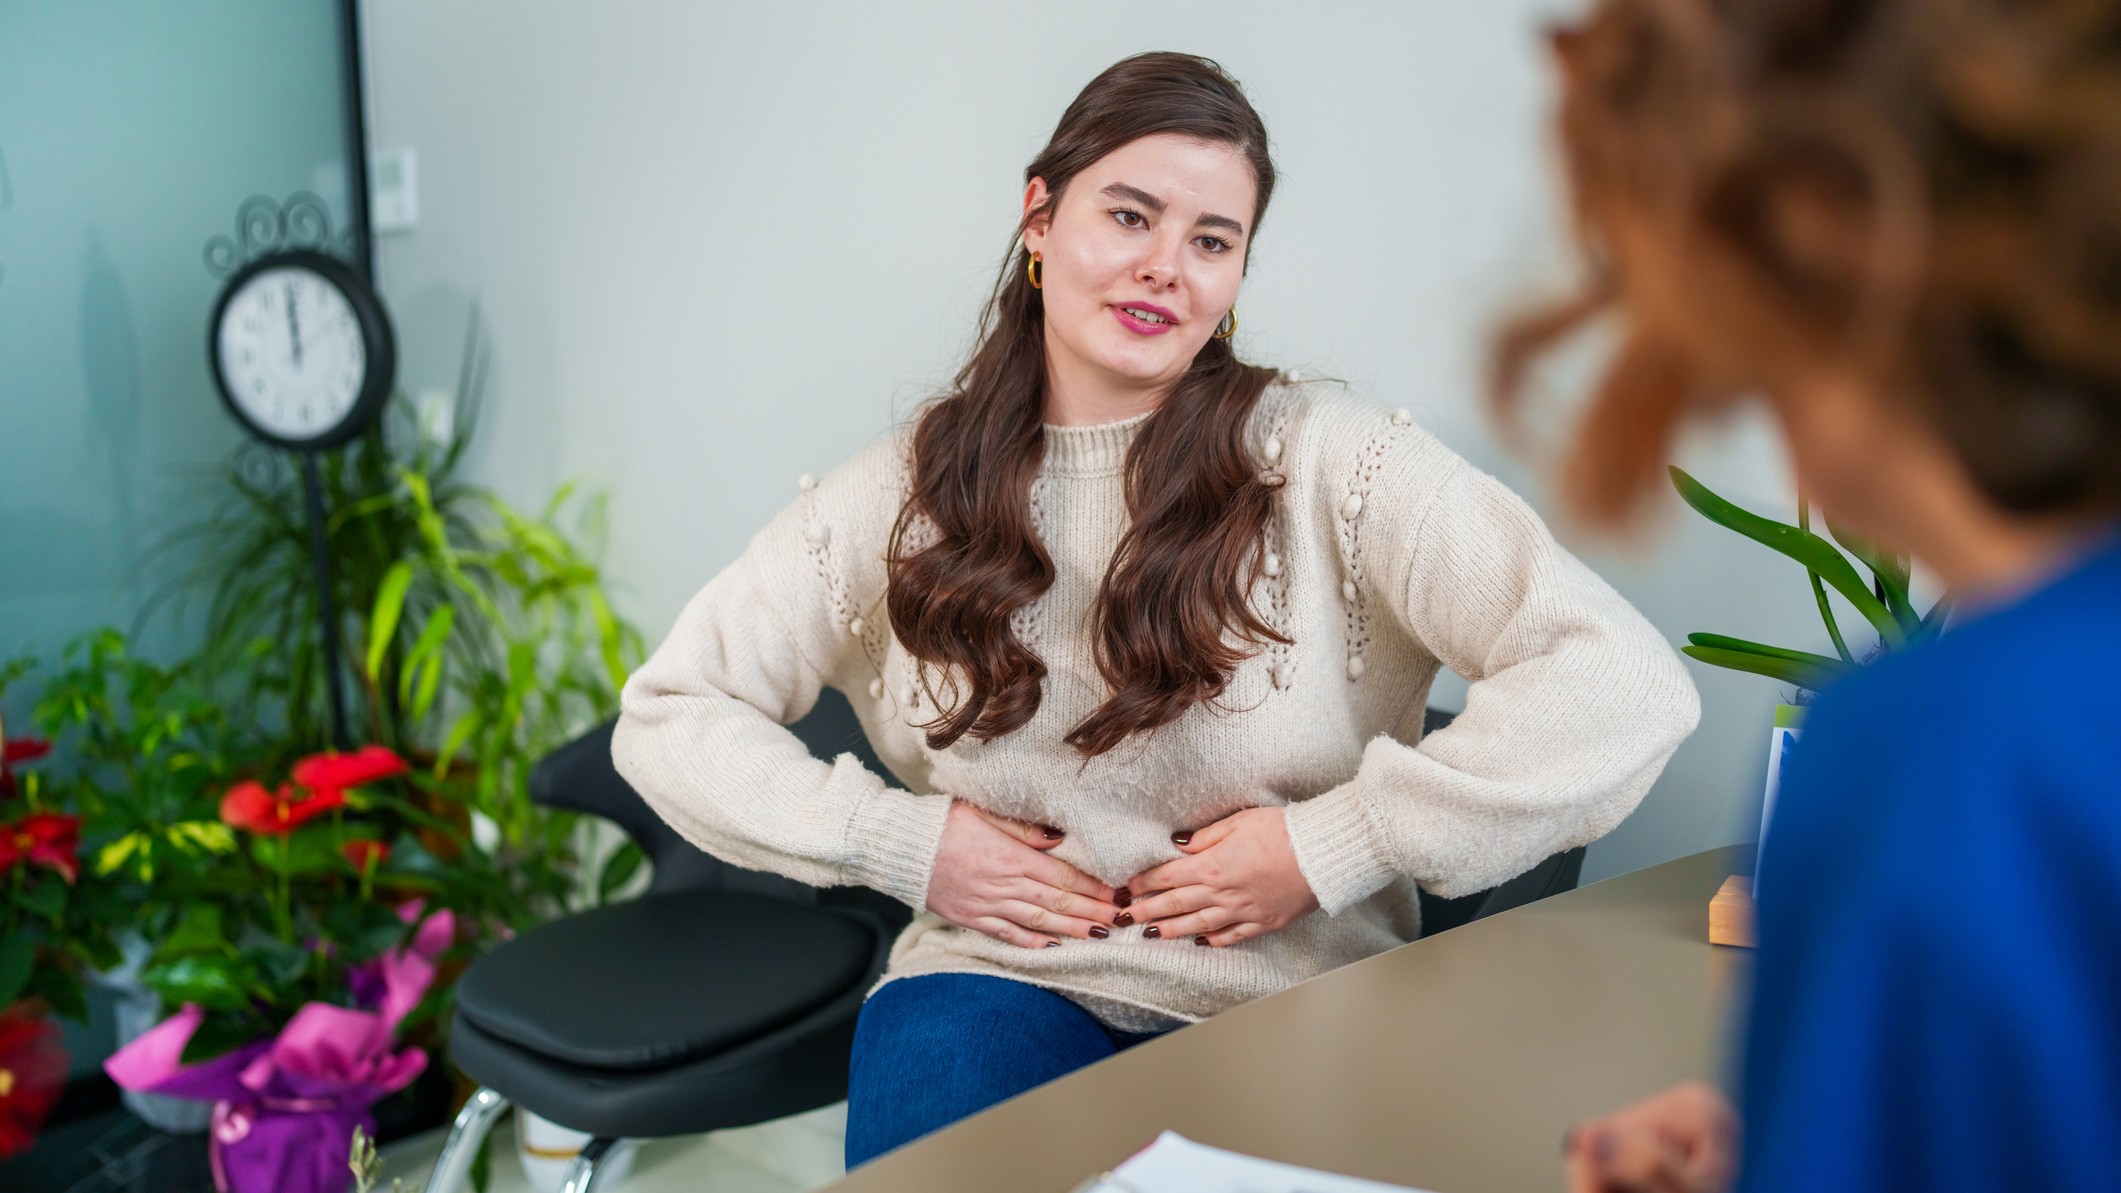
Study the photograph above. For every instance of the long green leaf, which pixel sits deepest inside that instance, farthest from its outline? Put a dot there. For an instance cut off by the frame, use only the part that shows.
(427, 647)
(609, 640)
(383, 620)
(1803, 675)
(1826, 607)
(459, 733)
(1891, 573)
(622, 865)
(1801, 545)
(423, 699)
(1746, 646)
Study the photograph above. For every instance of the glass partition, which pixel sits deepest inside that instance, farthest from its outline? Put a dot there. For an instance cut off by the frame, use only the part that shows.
(130, 136)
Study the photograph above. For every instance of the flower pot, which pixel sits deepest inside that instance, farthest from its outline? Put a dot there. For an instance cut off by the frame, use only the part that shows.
(1782, 738)
(548, 1149)
(134, 1009)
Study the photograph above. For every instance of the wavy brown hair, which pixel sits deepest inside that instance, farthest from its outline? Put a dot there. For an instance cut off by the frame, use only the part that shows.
(1926, 192)
(1172, 619)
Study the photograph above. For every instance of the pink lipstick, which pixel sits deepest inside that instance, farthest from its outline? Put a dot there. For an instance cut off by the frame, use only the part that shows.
(1159, 321)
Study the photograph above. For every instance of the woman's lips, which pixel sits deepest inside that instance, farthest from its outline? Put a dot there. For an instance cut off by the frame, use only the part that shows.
(1143, 326)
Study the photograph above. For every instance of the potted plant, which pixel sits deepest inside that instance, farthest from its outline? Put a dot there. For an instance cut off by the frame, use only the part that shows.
(482, 637)
(1885, 602)
(48, 937)
(297, 980)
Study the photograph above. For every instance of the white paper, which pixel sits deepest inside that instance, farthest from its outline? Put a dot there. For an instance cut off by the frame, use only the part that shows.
(1175, 1164)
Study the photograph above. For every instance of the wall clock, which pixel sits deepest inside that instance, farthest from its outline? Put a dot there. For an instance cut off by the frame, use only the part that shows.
(302, 351)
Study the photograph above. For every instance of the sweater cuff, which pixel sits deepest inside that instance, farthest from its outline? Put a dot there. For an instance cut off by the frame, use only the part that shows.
(1336, 848)
(891, 843)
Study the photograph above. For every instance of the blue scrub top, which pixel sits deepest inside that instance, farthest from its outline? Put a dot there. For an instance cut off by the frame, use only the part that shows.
(1938, 995)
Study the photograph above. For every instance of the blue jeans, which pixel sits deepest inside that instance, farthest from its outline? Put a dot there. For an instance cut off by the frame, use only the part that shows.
(933, 1049)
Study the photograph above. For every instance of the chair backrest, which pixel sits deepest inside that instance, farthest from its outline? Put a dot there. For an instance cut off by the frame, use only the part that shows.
(581, 777)
(1550, 877)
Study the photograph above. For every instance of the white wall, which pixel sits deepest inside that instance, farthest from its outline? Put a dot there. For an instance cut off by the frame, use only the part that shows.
(718, 246)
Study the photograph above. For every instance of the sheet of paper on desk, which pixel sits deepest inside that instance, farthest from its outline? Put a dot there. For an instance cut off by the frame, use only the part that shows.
(1175, 1164)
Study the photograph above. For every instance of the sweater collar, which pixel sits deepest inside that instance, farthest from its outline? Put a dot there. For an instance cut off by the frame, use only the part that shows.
(1096, 450)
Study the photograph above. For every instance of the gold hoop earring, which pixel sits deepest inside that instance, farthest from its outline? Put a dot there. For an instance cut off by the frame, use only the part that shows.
(1228, 327)
(1037, 274)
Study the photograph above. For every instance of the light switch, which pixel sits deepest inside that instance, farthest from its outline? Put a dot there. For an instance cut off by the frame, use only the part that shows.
(394, 191)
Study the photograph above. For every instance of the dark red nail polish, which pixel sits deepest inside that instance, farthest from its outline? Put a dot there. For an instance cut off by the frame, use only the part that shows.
(1202, 941)
(1123, 920)
(1052, 944)
(1052, 834)
(1122, 897)
(1602, 1146)
(1183, 836)
(1152, 932)
(1099, 931)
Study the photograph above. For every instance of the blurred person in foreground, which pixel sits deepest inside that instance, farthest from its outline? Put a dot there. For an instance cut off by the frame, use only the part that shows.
(1898, 222)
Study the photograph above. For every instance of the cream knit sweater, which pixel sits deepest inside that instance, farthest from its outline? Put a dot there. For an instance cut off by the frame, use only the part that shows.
(1388, 557)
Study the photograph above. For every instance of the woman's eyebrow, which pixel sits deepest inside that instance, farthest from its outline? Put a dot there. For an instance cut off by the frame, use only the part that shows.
(1135, 194)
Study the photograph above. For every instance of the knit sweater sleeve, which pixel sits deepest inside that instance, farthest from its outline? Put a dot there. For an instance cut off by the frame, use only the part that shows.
(1575, 703)
(701, 735)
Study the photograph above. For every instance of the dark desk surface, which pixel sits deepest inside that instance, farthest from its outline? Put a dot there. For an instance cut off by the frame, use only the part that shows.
(1453, 1064)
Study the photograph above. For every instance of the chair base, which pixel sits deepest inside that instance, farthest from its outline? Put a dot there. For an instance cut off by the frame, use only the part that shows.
(453, 1167)
(595, 1158)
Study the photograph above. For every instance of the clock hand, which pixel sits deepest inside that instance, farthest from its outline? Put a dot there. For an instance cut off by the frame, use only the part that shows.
(294, 325)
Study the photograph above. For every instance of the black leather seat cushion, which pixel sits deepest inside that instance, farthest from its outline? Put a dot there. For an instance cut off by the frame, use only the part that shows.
(666, 978)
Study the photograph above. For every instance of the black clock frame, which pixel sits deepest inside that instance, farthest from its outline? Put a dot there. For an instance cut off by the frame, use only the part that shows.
(377, 338)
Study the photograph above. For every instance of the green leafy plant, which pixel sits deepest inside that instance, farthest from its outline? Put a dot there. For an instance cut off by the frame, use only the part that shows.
(1884, 601)
(254, 901)
(478, 638)
(51, 928)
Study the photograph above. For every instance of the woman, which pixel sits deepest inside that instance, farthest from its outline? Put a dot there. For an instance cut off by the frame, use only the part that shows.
(1146, 632)
(1900, 222)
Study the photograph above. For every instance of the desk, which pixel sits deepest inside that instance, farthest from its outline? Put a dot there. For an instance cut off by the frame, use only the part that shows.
(1453, 1064)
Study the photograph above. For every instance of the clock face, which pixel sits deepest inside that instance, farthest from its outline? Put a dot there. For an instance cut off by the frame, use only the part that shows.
(292, 357)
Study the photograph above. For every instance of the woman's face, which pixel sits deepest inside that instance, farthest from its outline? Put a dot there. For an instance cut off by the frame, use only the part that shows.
(1142, 257)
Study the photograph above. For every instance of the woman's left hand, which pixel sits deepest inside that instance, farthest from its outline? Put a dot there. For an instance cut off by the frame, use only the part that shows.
(1238, 880)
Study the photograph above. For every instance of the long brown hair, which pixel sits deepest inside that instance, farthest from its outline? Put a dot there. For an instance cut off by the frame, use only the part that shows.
(1926, 192)
(1172, 618)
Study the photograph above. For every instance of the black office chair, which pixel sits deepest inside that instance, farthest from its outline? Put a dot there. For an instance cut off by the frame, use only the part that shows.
(1550, 877)
(720, 998)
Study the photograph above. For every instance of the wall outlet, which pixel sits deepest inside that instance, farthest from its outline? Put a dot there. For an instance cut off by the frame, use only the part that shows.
(394, 191)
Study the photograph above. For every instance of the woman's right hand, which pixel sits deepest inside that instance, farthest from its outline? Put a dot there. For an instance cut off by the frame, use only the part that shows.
(992, 875)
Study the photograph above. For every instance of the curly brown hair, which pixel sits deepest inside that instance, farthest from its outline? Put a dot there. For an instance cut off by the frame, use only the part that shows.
(1173, 618)
(1924, 192)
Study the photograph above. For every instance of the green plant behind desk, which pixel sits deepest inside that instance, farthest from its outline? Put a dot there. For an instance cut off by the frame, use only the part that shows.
(479, 638)
(1884, 601)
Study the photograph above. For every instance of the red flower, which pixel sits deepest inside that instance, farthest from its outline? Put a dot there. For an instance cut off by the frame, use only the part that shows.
(248, 805)
(32, 1074)
(364, 853)
(22, 749)
(336, 772)
(45, 838)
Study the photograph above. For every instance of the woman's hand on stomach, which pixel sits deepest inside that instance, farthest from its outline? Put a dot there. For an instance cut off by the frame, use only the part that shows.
(1238, 880)
(992, 875)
